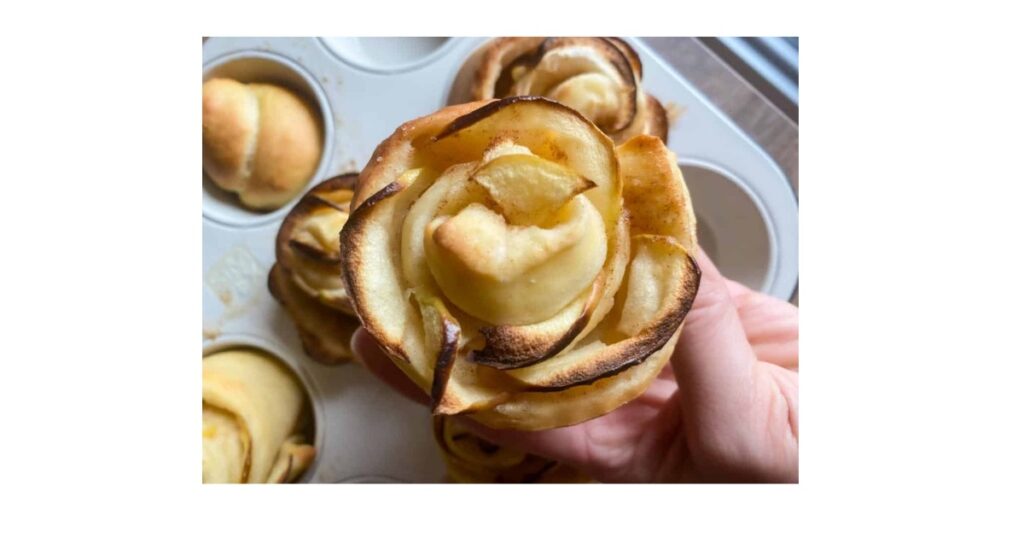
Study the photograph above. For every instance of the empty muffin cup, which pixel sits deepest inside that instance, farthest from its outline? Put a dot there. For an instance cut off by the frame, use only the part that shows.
(732, 226)
(387, 54)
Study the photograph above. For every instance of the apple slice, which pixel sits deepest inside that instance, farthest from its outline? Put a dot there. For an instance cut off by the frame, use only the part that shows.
(307, 246)
(550, 130)
(528, 188)
(654, 192)
(441, 333)
(661, 285)
(325, 332)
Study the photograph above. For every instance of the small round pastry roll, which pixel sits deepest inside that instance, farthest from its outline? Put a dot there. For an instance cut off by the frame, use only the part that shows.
(470, 459)
(518, 266)
(307, 276)
(253, 412)
(598, 76)
(260, 141)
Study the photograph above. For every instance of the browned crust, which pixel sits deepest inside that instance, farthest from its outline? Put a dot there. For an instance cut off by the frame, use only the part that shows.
(351, 234)
(508, 347)
(284, 246)
(617, 57)
(495, 59)
(652, 191)
(657, 119)
(501, 55)
(312, 253)
(530, 469)
(325, 341)
(490, 108)
(631, 55)
(403, 139)
(376, 183)
(445, 361)
(633, 351)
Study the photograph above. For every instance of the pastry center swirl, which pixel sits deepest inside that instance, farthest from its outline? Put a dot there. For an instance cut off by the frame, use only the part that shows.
(510, 239)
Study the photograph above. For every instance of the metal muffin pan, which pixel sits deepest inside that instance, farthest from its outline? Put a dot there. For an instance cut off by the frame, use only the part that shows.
(364, 88)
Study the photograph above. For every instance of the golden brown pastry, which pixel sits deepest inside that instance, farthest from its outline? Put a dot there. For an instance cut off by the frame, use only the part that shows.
(307, 276)
(253, 412)
(260, 141)
(518, 266)
(598, 76)
(472, 460)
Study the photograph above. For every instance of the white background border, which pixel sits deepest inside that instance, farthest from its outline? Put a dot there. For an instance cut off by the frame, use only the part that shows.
(911, 286)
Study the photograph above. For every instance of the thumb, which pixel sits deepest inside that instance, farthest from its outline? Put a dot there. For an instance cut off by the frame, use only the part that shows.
(715, 368)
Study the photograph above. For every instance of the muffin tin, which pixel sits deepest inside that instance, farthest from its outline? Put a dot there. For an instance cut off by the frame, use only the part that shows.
(364, 88)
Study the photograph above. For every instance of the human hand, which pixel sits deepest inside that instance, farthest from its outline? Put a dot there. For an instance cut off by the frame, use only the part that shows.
(724, 410)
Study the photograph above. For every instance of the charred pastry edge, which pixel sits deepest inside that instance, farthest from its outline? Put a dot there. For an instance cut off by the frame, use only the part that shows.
(639, 348)
(621, 62)
(368, 183)
(364, 202)
(630, 53)
(441, 425)
(655, 115)
(314, 254)
(619, 53)
(492, 356)
(656, 122)
(350, 234)
(492, 62)
(533, 467)
(309, 202)
(471, 118)
(445, 361)
(496, 355)
(312, 343)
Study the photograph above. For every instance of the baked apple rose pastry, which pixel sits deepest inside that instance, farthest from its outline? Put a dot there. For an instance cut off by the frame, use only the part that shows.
(517, 265)
(307, 276)
(598, 76)
(472, 460)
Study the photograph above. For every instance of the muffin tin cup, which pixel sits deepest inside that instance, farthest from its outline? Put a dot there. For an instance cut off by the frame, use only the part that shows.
(365, 431)
(314, 399)
(248, 66)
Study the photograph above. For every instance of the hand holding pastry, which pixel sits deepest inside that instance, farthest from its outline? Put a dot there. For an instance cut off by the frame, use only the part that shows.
(725, 410)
